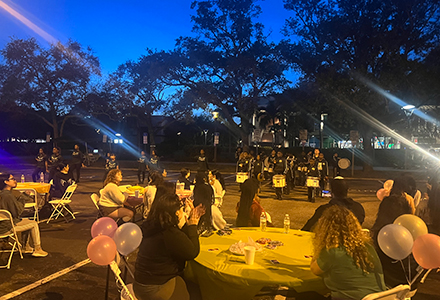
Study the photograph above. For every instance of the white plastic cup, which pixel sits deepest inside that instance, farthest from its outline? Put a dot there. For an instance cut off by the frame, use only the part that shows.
(249, 254)
(191, 187)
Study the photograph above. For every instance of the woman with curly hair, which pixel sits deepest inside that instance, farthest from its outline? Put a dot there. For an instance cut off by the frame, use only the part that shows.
(112, 200)
(345, 257)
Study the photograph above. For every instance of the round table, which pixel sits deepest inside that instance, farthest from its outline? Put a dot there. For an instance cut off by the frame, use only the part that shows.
(41, 188)
(224, 275)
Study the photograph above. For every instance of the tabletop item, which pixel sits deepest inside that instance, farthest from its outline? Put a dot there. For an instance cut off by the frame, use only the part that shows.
(238, 248)
(224, 275)
(249, 254)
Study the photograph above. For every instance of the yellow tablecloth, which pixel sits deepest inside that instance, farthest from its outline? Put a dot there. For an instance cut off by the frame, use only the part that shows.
(41, 188)
(131, 190)
(223, 275)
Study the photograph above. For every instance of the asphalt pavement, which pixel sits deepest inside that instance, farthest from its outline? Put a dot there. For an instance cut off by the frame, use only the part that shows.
(66, 274)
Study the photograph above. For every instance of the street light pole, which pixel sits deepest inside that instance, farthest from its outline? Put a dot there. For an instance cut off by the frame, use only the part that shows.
(215, 116)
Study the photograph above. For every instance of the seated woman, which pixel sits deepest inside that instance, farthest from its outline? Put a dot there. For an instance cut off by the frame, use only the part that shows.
(112, 200)
(345, 257)
(255, 212)
(169, 240)
(184, 178)
(156, 179)
(248, 210)
(204, 194)
(391, 208)
(61, 181)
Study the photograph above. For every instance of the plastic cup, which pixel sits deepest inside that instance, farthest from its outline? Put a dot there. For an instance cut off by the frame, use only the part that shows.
(136, 193)
(249, 255)
(191, 187)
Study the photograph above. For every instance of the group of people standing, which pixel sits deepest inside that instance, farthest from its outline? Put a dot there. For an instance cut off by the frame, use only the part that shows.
(294, 169)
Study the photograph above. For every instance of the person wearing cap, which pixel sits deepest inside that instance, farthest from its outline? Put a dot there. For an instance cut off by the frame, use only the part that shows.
(339, 190)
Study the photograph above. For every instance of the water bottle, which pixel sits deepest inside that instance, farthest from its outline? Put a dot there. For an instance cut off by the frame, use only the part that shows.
(286, 223)
(41, 177)
(22, 178)
(263, 221)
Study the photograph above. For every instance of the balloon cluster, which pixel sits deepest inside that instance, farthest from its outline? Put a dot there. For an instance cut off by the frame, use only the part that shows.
(108, 239)
(385, 191)
(409, 234)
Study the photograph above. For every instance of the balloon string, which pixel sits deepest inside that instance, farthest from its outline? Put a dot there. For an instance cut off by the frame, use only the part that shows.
(404, 272)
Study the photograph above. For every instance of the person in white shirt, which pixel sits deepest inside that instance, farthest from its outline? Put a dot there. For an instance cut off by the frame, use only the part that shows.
(111, 203)
(215, 183)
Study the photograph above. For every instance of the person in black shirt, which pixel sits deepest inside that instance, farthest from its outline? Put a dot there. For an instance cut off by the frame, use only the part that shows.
(76, 163)
(111, 164)
(184, 178)
(142, 167)
(279, 168)
(202, 162)
(41, 165)
(322, 166)
(169, 240)
(312, 171)
(339, 191)
(54, 163)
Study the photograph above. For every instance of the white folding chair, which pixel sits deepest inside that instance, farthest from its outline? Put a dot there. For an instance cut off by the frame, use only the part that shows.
(34, 204)
(397, 293)
(11, 236)
(59, 205)
(95, 200)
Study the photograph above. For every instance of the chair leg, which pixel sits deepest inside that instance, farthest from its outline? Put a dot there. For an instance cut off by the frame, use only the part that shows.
(55, 211)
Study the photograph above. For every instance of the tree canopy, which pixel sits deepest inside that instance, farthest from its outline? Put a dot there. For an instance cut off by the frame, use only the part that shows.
(47, 82)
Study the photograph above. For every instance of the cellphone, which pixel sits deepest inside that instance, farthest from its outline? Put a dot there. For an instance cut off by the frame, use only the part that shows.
(274, 261)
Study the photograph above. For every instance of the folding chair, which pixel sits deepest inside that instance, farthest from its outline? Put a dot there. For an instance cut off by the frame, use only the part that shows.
(59, 205)
(397, 293)
(95, 200)
(34, 204)
(11, 235)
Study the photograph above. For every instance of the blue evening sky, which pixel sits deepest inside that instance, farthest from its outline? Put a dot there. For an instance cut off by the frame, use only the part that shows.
(116, 30)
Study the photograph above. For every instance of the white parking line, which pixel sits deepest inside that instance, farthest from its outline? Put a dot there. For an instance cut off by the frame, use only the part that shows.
(45, 280)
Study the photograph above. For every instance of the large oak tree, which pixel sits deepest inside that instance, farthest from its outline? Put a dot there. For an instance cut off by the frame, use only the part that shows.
(47, 82)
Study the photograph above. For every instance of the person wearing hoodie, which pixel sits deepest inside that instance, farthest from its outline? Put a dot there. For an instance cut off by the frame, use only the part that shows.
(339, 191)
(169, 240)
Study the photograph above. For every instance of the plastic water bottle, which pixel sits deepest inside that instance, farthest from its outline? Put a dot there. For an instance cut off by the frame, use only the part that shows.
(263, 221)
(286, 223)
(41, 177)
(22, 178)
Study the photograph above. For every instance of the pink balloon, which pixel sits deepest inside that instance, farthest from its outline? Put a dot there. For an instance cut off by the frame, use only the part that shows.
(380, 194)
(104, 226)
(101, 250)
(426, 251)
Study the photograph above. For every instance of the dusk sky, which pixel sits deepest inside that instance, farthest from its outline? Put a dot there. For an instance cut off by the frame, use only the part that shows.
(116, 30)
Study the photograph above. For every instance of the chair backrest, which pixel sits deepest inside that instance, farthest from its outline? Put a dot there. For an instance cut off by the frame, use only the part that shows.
(397, 293)
(5, 215)
(95, 199)
(69, 192)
